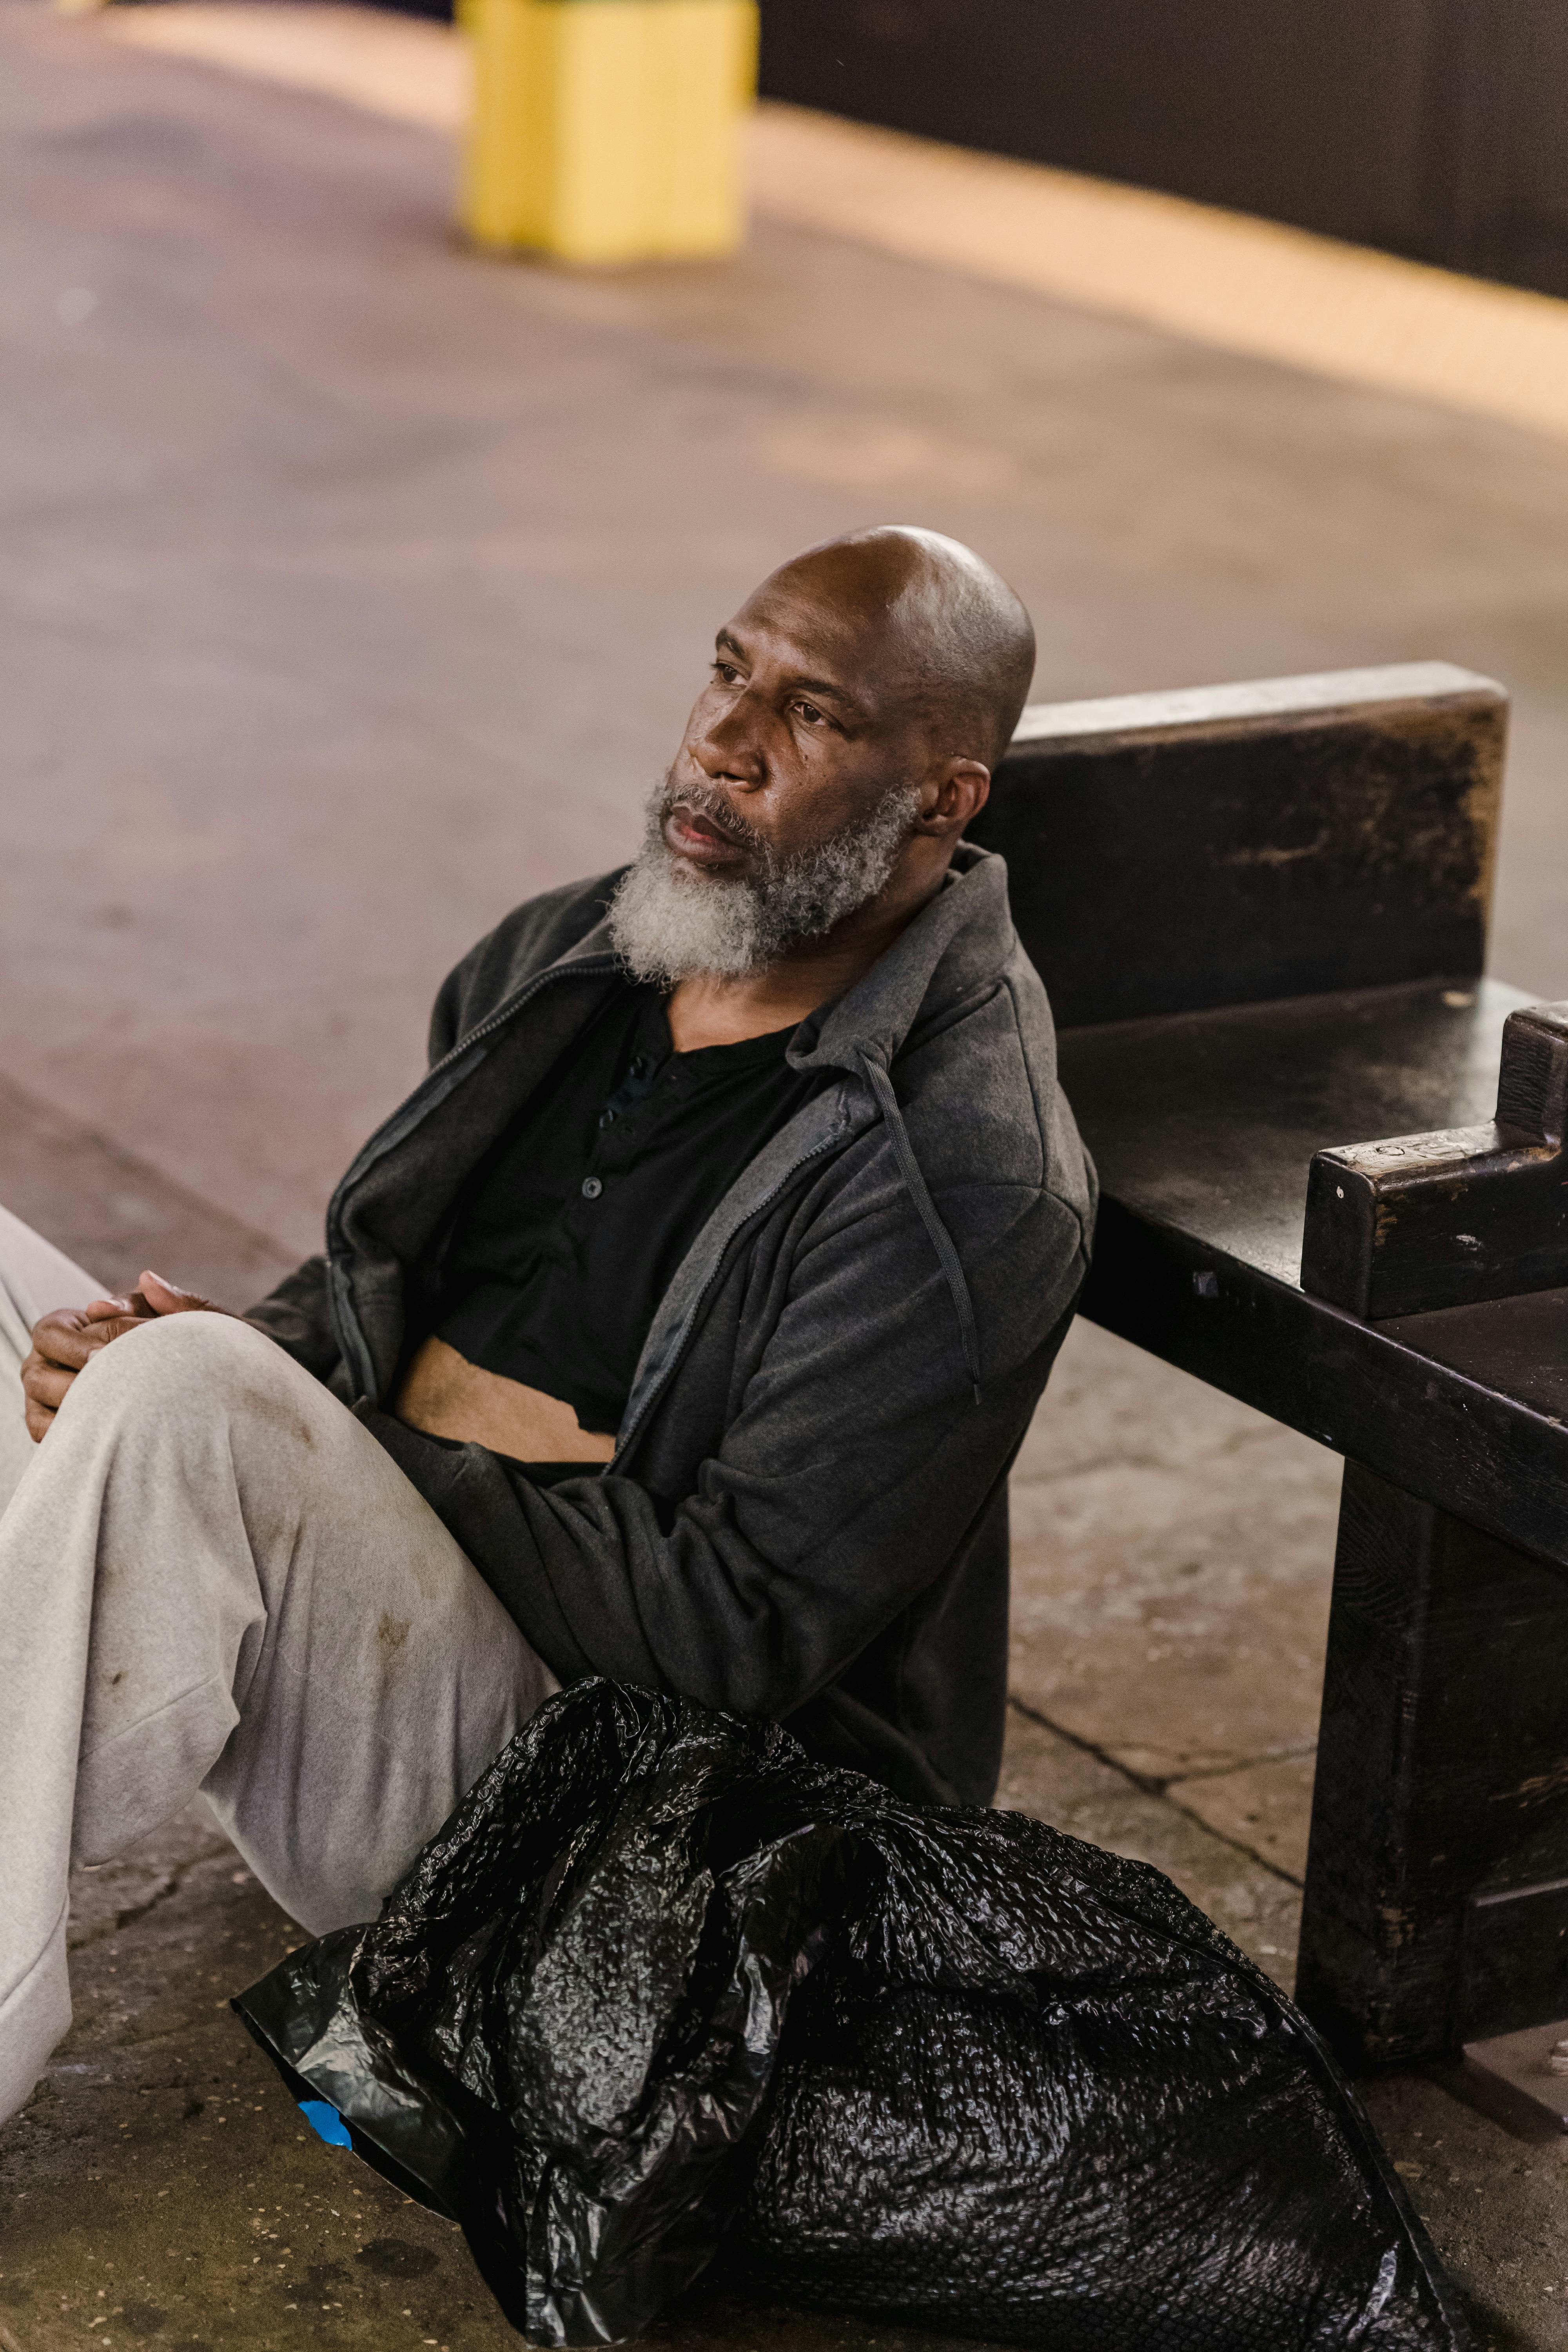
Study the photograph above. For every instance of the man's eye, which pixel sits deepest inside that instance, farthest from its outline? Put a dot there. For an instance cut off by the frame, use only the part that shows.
(727, 671)
(809, 710)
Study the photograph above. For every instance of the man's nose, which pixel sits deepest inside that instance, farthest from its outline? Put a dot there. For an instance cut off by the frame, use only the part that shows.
(728, 747)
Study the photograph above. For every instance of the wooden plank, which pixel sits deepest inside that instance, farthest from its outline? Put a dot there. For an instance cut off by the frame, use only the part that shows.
(1209, 1121)
(1233, 844)
(1487, 1442)
(1435, 1905)
(1465, 1213)
(1203, 1127)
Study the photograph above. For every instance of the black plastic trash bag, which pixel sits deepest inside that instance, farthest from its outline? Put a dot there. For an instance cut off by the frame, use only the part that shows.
(662, 1989)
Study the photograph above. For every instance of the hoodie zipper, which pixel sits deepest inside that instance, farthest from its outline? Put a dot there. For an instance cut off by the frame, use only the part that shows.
(402, 1124)
(406, 1118)
(887, 1101)
(689, 1323)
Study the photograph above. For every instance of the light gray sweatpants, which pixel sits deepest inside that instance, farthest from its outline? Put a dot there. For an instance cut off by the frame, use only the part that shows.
(213, 1578)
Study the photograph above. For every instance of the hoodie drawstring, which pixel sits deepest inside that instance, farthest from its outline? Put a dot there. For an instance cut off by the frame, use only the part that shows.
(881, 1086)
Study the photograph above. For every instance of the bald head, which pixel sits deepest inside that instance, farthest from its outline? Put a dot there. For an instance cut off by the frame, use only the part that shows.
(856, 706)
(946, 631)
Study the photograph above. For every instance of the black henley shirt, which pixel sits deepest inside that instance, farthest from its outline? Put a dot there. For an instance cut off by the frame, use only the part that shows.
(571, 1228)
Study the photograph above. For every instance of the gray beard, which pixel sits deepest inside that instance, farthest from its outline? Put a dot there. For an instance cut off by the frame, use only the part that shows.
(670, 924)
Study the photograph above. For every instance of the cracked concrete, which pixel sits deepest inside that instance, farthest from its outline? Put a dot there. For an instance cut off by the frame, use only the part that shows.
(357, 588)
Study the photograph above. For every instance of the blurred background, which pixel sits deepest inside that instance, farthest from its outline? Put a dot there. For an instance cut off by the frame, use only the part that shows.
(1433, 128)
(359, 580)
(363, 551)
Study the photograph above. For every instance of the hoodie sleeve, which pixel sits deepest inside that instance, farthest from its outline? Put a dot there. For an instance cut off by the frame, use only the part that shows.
(855, 1461)
(297, 1316)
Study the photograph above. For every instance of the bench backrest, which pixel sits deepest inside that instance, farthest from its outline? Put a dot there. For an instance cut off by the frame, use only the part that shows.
(1169, 852)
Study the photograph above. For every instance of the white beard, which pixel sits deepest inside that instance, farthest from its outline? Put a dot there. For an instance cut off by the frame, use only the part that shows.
(670, 924)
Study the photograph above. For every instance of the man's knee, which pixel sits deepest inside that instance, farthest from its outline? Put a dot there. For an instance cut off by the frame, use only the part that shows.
(187, 1368)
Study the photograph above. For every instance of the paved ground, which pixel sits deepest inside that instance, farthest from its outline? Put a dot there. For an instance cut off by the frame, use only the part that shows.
(356, 587)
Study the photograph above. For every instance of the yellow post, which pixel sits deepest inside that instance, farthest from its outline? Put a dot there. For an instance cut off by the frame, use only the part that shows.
(609, 130)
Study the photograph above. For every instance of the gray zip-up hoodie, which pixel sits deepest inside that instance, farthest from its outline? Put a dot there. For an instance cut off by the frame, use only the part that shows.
(807, 1514)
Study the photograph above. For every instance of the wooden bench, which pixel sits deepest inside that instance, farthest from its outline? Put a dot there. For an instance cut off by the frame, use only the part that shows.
(1260, 912)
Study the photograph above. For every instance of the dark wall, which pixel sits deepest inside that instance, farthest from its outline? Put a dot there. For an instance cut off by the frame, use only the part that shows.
(1433, 128)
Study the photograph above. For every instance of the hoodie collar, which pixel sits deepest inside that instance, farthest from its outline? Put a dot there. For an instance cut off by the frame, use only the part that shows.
(957, 943)
(960, 939)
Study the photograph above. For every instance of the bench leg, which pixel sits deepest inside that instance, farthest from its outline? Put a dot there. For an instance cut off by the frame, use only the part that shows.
(1436, 1902)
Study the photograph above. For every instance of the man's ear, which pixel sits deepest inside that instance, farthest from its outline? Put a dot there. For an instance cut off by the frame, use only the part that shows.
(963, 787)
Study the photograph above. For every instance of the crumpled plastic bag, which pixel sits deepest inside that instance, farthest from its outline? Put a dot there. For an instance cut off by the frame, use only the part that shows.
(664, 1990)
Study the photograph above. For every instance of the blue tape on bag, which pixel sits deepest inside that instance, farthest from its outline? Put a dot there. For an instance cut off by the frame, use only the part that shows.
(326, 2123)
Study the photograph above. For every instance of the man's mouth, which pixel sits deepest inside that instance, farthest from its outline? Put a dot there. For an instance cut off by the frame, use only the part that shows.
(692, 834)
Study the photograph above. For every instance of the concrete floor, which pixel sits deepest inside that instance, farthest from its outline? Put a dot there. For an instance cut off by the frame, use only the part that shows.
(356, 588)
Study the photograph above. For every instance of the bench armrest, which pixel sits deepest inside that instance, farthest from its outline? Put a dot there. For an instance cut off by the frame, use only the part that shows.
(1459, 1215)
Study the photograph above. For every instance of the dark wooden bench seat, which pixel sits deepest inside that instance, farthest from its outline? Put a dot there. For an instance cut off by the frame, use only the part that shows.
(1203, 1127)
(1279, 893)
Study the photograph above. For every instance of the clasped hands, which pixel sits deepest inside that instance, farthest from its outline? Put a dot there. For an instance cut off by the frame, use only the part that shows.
(65, 1341)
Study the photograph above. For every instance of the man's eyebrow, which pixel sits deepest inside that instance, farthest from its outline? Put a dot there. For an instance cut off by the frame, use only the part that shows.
(827, 690)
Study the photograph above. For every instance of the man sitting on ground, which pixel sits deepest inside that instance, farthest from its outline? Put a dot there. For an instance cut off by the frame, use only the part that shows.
(681, 1327)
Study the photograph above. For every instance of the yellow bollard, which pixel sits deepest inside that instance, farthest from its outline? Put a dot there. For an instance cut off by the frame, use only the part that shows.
(609, 130)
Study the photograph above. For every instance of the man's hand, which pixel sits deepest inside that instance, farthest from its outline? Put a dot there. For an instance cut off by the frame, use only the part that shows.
(63, 1341)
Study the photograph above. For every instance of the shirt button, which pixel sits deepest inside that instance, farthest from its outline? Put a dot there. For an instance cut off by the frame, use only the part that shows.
(592, 1188)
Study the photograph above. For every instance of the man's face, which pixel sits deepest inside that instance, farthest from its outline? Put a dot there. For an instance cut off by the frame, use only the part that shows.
(807, 785)
(809, 721)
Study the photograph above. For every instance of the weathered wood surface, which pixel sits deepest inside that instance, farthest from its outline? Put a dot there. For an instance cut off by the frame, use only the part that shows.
(1166, 856)
(1379, 1393)
(1203, 1127)
(1465, 1213)
(1209, 1122)
(1232, 844)
(1437, 1900)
